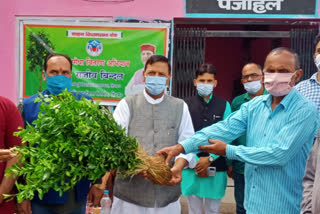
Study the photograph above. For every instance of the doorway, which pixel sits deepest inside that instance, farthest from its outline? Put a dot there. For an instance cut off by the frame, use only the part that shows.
(230, 44)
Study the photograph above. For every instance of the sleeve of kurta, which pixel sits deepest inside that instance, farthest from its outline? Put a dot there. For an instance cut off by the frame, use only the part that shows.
(122, 114)
(308, 179)
(185, 131)
(227, 130)
(287, 142)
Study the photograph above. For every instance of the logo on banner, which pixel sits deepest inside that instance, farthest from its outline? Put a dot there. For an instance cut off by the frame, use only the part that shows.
(94, 47)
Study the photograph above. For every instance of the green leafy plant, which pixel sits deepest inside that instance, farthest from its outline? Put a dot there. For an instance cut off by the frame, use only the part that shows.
(40, 47)
(69, 141)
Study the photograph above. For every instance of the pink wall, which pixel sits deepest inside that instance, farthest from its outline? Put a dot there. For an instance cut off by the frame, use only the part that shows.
(139, 9)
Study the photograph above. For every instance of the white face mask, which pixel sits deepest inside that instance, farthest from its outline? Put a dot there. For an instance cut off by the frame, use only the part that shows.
(252, 87)
(317, 62)
(204, 89)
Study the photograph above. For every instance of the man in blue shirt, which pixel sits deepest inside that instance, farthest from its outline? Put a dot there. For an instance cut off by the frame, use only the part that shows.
(280, 130)
(58, 76)
(310, 88)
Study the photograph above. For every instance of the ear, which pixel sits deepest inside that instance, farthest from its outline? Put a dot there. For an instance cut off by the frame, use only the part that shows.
(215, 82)
(43, 76)
(144, 76)
(297, 76)
(195, 82)
(168, 80)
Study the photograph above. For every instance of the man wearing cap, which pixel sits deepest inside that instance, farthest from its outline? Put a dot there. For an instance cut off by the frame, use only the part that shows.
(136, 83)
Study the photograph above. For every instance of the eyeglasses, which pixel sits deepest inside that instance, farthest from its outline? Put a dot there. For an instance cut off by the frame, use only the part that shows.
(252, 76)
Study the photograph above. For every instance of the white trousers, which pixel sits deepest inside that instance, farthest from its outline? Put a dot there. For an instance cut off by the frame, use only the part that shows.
(195, 203)
(122, 207)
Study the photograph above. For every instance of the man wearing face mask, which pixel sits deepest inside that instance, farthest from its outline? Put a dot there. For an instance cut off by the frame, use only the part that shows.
(58, 76)
(310, 88)
(280, 129)
(157, 120)
(202, 182)
(252, 82)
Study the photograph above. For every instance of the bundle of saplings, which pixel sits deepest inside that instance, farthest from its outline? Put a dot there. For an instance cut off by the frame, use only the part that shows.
(72, 140)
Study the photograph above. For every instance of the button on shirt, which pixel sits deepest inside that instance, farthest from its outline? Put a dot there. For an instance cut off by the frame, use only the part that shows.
(278, 145)
(310, 88)
(238, 166)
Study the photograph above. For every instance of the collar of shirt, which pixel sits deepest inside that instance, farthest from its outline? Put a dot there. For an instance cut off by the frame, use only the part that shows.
(210, 98)
(151, 100)
(286, 101)
(314, 77)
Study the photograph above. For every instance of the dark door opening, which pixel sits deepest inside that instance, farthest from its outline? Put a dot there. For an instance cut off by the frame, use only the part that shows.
(230, 44)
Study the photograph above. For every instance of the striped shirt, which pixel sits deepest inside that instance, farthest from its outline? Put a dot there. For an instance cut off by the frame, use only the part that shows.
(310, 88)
(278, 145)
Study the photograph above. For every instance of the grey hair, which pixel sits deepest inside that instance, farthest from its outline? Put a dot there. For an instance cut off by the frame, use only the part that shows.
(284, 49)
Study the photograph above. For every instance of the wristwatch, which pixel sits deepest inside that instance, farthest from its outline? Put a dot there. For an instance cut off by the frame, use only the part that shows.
(210, 159)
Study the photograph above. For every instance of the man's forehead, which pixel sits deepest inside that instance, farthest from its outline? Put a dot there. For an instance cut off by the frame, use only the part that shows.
(284, 58)
(146, 52)
(205, 76)
(318, 45)
(58, 61)
(250, 69)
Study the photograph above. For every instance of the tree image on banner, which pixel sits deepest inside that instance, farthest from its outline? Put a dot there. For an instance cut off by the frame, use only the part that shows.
(40, 47)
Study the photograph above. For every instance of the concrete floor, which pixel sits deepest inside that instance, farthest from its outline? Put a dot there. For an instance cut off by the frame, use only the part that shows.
(228, 205)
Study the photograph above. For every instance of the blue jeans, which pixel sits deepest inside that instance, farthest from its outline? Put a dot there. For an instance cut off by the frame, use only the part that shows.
(40, 209)
(239, 192)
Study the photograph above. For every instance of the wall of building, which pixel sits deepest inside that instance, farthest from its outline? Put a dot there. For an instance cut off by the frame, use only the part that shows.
(139, 9)
(9, 10)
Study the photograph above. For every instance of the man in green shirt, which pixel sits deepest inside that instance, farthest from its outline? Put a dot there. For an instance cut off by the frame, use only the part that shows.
(253, 83)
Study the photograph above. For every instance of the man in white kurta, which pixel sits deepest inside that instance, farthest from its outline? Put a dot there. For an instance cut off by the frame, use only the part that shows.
(123, 116)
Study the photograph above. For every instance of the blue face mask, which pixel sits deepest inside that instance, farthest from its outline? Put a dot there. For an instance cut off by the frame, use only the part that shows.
(204, 89)
(56, 84)
(252, 87)
(155, 85)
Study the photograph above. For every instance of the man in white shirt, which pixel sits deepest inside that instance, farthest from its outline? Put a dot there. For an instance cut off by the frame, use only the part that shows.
(136, 83)
(157, 120)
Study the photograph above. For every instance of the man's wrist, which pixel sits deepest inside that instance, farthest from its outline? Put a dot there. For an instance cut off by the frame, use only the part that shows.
(100, 186)
(180, 148)
(210, 159)
(180, 163)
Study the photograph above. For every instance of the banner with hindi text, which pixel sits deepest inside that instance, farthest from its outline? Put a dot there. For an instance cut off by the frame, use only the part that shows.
(105, 58)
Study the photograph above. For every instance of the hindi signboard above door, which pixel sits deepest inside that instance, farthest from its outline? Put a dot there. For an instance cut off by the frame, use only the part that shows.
(252, 8)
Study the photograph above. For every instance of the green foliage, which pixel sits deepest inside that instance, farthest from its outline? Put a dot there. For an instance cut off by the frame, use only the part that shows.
(69, 141)
(40, 47)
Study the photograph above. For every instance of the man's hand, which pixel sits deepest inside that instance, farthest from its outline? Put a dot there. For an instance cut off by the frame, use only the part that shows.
(202, 165)
(24, 207)
(170, 152)
(217, 147)
(176, 171)
(230, 172)
(6, 154)
(203, 174)
(176, 176)
(95, 194)
(144, 174)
